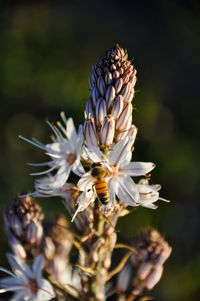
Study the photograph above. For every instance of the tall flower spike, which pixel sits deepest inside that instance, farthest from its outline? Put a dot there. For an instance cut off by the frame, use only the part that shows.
(22, 220)
(112, 82)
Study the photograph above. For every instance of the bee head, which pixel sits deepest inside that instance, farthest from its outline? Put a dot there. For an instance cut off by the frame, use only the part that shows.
(97, 170)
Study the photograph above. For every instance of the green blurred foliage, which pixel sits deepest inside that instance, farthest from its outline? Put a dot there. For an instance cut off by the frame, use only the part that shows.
(47, 49)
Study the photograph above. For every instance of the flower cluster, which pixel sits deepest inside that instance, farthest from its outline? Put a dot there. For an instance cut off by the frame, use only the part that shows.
(108, 136)
(99, 156)
(153, 251)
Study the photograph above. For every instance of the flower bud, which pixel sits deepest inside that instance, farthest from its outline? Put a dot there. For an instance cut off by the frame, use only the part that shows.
(108, 78)
(95, 96)
(101, 86)
(22, 219)
(125, 118)
(90, 132)
(110, 95)
(107, 131)
(125, 91)
(117, 107)
(100, 111)
(118, 85)
(89, 108)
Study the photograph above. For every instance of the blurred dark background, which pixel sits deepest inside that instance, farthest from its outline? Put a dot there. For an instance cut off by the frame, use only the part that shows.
(46, 52)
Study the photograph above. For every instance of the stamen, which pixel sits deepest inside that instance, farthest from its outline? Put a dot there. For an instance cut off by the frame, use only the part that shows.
(77, 211)
(148, 175)
(132, 148)
(62, 114)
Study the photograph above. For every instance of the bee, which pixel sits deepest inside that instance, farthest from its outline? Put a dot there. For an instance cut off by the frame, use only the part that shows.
(101, 187)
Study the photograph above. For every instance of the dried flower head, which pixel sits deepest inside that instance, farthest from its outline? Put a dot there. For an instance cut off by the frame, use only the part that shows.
(22, 222)
(147, 267)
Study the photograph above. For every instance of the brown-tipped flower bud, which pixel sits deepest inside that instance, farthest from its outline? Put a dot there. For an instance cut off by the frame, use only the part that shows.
(95, 96)
(112, 79)
(125, 119)
(100, 111)
(147, 263)
(110, 96)
(22, 219)
(107, 131)
(90, 132)
(89, 108)
(117, 107)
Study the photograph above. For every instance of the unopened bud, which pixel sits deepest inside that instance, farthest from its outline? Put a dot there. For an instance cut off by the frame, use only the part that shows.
(101, 86)
(95, 96)
(117, 107)
(89, 108)
(110, 95)
(107, 131)
(100, 111)
(118, 85)
(90, 132)
(154, 277)
(125, 118)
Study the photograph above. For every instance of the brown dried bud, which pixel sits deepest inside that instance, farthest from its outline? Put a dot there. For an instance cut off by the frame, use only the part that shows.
(153, 251)
(22, 220)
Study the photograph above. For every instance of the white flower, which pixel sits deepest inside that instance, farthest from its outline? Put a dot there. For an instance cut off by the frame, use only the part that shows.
(120, 170)
(27, 283)
(149, 194)
(65, 152)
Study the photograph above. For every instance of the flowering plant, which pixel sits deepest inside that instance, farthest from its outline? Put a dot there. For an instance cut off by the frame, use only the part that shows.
(99, 155)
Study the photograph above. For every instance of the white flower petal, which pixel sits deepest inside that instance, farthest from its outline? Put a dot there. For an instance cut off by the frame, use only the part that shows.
(150, 206)
(120, 150)
(38, 266)
(71, 131)
(137, 168)
(128, 191)
(19, 296)
(78, 168)
(94, 154)
(62, 175)
(46, 291)
(18, 265)
(85, 181)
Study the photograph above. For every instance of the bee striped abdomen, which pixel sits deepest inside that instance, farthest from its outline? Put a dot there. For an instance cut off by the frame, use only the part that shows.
(102, 191)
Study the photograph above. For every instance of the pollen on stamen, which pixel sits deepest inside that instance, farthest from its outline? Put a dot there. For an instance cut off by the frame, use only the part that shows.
(91, 118)
(103, 158)
(132, 148)
(148, 175)
(109, 116)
